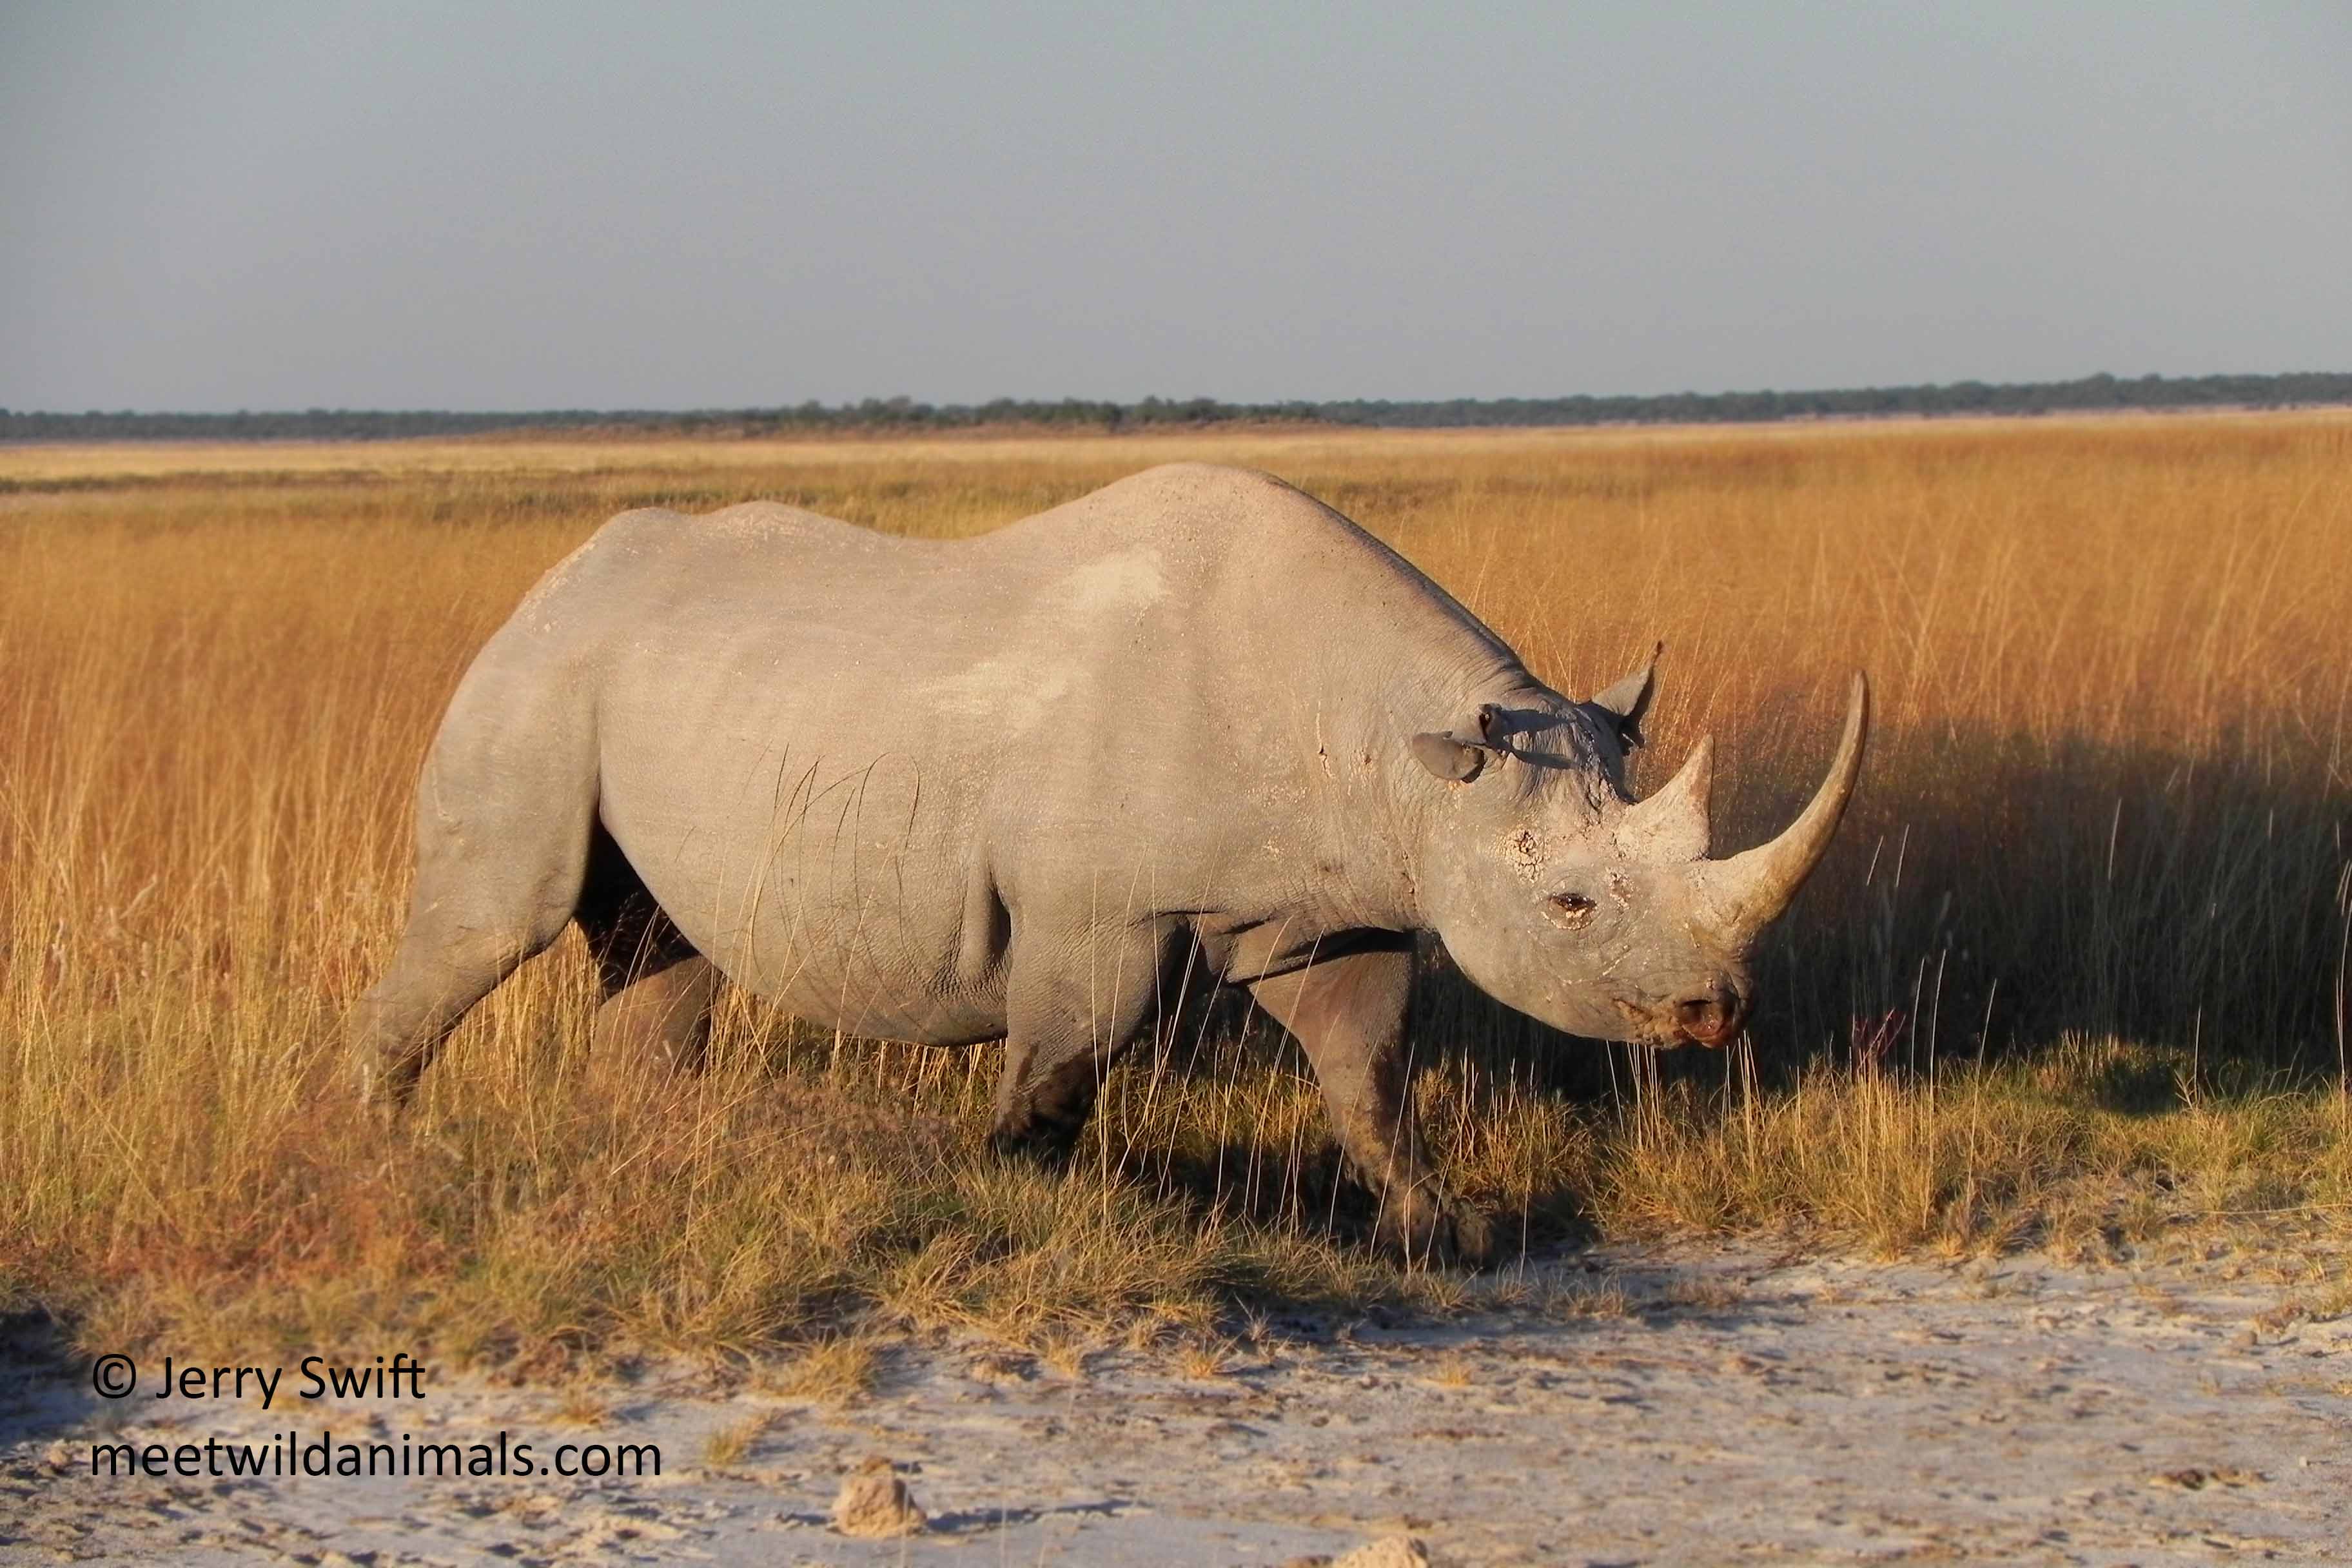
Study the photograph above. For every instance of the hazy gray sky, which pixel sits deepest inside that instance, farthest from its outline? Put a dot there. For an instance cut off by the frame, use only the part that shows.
(281, 206)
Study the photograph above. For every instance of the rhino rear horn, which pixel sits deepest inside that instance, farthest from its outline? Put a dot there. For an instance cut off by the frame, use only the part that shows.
(1671, 823)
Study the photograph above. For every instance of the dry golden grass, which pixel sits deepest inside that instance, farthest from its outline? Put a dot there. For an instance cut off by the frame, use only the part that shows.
(2084, 928)
(840, 1371)
(731, 1446)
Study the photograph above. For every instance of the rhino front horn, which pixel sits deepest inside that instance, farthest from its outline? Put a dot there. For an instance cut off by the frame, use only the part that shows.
(1751, 888)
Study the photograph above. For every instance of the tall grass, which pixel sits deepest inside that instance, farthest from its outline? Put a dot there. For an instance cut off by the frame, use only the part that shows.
(2081, 944)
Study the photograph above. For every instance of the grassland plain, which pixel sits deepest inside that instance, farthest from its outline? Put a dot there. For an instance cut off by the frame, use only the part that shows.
(2072, 978)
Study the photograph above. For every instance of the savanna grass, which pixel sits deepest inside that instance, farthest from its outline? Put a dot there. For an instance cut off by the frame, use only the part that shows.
(2072, 976)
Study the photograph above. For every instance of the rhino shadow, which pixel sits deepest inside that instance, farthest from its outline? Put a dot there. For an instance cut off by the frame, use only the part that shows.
(1989, 895)
(45, 1394)
(2000, 892)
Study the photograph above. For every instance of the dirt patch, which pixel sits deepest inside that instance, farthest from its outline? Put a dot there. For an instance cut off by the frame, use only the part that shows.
(1718, 1403)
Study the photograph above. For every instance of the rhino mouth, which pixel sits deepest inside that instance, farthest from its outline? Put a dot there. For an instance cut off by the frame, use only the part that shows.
(1646, 1027)
(1661, 1029)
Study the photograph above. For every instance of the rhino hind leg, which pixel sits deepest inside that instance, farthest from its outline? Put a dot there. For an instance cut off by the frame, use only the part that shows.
(658, 988)
(472, 923)
(1066, 1030)
(1347, 1012)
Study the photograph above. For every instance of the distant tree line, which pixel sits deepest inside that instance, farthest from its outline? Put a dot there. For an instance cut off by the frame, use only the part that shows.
(2089, 392)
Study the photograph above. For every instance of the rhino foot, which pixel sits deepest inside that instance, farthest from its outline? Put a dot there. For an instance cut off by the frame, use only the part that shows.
(1044, 1144)
(1433, 1232)
(383, 1086)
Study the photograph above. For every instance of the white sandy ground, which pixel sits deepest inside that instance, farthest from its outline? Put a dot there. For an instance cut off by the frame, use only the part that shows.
(1747, 1408)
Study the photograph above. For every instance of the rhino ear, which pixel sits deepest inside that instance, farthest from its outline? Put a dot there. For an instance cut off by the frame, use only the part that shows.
(1457, 758)
(1624, 704)
(1453, 760)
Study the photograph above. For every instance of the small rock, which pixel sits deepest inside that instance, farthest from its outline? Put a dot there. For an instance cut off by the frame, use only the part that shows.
(1389, 1551)
(874, 1503)
(58, 1459)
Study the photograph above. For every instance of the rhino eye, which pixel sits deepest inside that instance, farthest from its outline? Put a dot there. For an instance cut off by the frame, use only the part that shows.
(1570, 911)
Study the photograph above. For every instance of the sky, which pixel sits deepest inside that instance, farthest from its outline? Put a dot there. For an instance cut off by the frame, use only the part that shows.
(480, 207)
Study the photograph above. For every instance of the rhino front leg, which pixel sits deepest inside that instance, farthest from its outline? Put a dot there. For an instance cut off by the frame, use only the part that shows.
(1347, 1012)
(1068, 1020)
(661, 1017)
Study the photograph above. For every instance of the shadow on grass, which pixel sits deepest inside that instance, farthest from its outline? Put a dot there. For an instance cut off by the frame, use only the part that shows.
(45, 1394)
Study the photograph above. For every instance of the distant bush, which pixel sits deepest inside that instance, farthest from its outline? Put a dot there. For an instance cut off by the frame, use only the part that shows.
(2087, 393)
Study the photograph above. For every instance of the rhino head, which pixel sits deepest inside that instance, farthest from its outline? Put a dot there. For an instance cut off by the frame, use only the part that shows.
(1559, 895)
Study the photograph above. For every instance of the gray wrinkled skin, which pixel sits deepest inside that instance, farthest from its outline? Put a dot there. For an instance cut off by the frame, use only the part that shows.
(1195, 725)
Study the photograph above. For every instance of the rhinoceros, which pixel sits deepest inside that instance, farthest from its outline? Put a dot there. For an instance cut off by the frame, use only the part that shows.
(1015, 787)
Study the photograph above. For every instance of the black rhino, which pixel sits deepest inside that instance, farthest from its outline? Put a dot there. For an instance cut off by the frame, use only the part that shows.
(1009, 787)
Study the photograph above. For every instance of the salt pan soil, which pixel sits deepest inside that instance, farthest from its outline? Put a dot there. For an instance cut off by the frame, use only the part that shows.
(1742, 1406)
